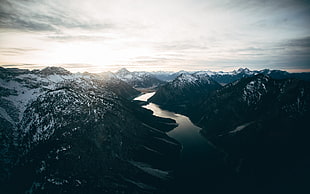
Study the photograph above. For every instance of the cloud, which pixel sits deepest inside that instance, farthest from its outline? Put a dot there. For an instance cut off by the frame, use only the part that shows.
(72, 38)
(51, 16)
(303, 43)
(188, 33)
(24, 66)
(298, 47)
(14, 15)
(297, 53)
(181, 46)
(16, 51)
(267, 4)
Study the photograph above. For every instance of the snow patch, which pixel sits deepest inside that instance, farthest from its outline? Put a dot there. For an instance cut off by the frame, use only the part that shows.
(152, 171)
(241, 127)
(5, 115)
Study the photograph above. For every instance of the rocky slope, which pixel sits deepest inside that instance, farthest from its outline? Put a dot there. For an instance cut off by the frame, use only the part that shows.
(182, 91)
(262, 125)
(258, 122)
(78, 133)
(139, 79)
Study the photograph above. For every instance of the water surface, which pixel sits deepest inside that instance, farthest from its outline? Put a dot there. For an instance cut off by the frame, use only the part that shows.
(201, 168)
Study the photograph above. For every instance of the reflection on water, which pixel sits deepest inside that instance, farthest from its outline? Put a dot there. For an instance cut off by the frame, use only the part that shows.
(186, 132)
(199, 168)
(145, 97)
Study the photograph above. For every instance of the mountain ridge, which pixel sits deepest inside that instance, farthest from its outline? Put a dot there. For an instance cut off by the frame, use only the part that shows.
(176, 95)
(79, 133)
(138, 79)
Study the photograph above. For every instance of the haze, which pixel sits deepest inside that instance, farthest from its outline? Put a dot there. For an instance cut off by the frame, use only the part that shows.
(157, 35)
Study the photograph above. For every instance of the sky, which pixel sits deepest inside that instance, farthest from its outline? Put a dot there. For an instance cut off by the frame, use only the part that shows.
(161, 35)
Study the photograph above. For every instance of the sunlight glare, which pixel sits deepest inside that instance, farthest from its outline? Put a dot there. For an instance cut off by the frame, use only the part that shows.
(98, 54)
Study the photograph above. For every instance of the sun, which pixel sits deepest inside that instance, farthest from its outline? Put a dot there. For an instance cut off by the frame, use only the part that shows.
(103, 56)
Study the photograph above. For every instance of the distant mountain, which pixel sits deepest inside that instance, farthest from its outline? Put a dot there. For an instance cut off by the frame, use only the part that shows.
(168, 76)
(262, 124)
(78, 133)
(182, 91)
(228, 77)
(138, 79)
(53, 71)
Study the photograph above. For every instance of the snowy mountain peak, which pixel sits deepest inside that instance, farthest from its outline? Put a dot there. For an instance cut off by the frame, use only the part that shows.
(255, 89)
(123, 71)
(184, 79)
(138, 79)
(107, 75)
(243, 70)
(183, 72)
(201, 75)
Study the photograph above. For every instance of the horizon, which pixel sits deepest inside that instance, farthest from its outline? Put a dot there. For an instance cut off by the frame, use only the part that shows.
(75, 70)
(174, 35)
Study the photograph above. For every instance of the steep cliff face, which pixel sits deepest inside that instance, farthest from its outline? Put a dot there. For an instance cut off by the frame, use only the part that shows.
(63, 132)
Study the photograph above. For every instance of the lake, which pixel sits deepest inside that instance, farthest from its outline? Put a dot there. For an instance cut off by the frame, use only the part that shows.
(201, 168)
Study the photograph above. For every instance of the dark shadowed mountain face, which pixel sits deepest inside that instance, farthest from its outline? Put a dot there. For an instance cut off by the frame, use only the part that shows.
(181, 92)
(262, 124)
(81, 133)
(250, 99)
(76, 133)
(139, 79)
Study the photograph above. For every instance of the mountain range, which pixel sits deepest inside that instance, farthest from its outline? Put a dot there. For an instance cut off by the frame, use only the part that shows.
(64, 132)
(258, 122)
(138, 79)
(79, 133)
(143, 79)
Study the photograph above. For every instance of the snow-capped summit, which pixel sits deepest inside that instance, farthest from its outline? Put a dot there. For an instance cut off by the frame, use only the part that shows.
(123, 72)
(183, 80)
(243, 70)
(138, 79)
(107, 75)
(178, 94)
(198, 78)
(203, 76)
(229, 77)
(255, 89)
(168, 76)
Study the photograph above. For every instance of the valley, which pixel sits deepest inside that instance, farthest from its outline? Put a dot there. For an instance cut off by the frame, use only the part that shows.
(154, 97)
(153, 132)
(201, 166)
